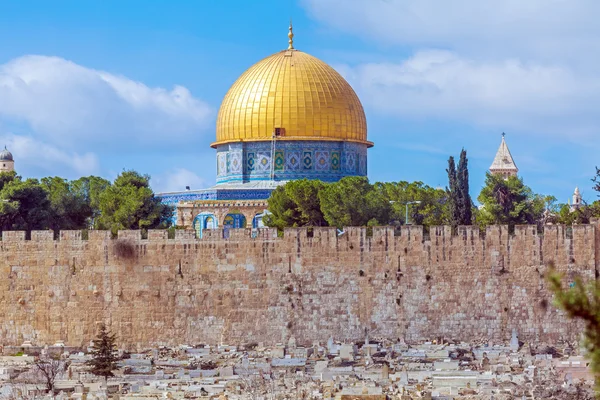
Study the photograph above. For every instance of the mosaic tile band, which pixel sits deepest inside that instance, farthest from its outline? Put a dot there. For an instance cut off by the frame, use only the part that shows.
(327, 161)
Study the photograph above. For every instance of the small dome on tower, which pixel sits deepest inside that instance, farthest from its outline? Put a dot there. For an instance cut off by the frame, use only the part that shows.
(6, 155)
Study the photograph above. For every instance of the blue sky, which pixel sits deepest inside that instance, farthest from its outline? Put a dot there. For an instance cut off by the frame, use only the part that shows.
(95, 87)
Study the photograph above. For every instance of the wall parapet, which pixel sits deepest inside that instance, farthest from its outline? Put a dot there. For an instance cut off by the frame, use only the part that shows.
(412, 233)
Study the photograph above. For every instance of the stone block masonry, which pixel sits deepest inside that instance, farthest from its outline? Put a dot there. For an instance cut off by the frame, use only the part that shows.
(311, 284)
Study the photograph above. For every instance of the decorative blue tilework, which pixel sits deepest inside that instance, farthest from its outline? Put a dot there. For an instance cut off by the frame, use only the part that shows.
(279, 160)
(335, 161)
(235, 162)
(328, 161)
(307, 163)
(250, 161)
(322, 161)
(263, 162)
(292, 160)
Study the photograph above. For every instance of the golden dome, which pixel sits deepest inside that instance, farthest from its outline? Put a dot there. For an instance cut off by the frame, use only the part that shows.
(294, 91)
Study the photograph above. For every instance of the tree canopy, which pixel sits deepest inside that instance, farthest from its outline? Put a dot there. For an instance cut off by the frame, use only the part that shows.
(296, 204)
(104, 353)
(353, 201)
(508, 201)
(89, 202)
(129, 203)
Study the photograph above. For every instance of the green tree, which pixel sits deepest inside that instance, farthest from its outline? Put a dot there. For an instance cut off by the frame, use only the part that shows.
(352, 201)
(453, 194)
(130, 203)
(104, 353)
(90, 188)
(296, 204)
(68, 208)
(8, 176)
(24, 205)
(465, 204)
(509, 201)
(460, 205)
(305, 195)
(433, 208)
(596, 180)
(582, 302)
(283, 210)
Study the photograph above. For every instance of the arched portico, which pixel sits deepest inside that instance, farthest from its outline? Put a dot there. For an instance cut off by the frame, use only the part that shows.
(204, 220)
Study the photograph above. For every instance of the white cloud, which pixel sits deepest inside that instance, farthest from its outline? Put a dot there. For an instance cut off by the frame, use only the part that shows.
(76, 107)
(176, 180)
(496, 27)
(39, 155)
(511, 94)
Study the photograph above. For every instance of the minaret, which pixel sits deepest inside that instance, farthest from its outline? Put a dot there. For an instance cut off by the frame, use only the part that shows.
(504, 164)
(576, 200)
(7, 164)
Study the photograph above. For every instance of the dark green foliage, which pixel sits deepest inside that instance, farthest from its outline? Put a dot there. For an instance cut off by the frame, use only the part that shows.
(465, 204)
(6, 177)
(509, 202)
(88, 202)
(90, 188)
(596, 180)
(69, 209)
(582, 302)
(305, 195)
(460, 204)
(129, 203)
(453, 194)
(433, 208)
(284, 212)
(104, 353)
(353, 201)
(24, 205)
(296, 204)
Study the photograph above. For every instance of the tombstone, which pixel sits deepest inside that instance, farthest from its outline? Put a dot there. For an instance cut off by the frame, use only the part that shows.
(330, 349)
(292, 343)
(226, 371)
(514, 341)
(245, 362)
(347, 352)
(404, 376)
(385, 372)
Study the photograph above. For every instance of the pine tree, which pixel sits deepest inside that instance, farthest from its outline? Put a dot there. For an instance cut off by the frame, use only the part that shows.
(104, 353)
(453, 194)
(582, 302)
(464, 198)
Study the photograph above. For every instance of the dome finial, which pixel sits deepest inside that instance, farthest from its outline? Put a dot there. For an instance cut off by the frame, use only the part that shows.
(291, 37)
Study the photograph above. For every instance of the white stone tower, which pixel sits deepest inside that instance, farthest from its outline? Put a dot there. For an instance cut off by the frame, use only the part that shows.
(7, 164)
(504, 164)
(576, 200)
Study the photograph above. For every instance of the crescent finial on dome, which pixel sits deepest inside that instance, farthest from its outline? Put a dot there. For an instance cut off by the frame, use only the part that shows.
(291, 37)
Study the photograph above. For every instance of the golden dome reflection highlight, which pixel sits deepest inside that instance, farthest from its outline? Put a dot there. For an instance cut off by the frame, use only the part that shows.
(294, 91)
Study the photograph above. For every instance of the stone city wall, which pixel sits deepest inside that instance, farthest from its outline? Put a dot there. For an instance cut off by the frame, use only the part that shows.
(311, 285)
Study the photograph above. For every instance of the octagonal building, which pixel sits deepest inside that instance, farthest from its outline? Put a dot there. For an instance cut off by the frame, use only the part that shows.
(289, 116)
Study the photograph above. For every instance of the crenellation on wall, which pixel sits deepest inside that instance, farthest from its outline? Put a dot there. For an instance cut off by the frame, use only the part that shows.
(157, 234)
(70, 235)
(99, 236)
(42, 236)
(13, 236)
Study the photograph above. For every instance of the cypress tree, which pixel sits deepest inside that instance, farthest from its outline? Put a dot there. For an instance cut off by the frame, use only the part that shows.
(453, 199)
(104, 353)
(464, 198)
